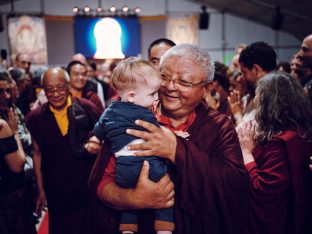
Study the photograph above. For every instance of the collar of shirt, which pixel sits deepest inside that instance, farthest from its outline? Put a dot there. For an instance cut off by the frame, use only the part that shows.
(166, 122)
(61, 117)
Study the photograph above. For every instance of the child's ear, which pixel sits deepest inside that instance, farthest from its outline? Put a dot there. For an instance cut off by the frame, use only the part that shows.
(130, 96)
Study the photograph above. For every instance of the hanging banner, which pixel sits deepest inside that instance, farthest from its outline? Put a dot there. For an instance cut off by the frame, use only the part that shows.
(27, 35)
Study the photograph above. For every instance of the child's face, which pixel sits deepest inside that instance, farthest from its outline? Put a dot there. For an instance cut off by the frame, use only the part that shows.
(146, 95)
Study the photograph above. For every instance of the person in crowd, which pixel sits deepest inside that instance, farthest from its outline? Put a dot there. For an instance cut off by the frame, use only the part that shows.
(305, 71)
(19, 76)
(305, 75)
(91, 78)
(41, 97)
(206, 165)
(104, 90)
(63, 153)
(23, 61)
(283, 66)
(78, 82)
(219, 90)
(26, 95)
(14, 206)
(9, 101)
(295, 63)
(157, 48)
(255, 60)
(240, 47)
(137, 83)
(276, 149)
(234, 67)
(306, 47)
(90, 85)
(79, 57)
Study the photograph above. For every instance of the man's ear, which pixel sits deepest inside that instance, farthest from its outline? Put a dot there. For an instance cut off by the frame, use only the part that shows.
(259, 71)
(130, 96)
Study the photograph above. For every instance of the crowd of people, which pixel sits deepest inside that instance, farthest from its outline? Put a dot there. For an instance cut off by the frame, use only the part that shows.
(176, 144)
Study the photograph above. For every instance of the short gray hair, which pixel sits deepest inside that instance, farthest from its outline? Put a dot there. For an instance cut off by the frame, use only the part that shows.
(197, 54)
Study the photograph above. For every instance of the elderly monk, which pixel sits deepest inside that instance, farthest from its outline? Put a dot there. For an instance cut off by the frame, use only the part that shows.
(63, 153)
(210, 193)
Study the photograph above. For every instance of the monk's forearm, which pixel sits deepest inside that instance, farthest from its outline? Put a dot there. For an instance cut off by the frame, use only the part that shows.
(116, 197)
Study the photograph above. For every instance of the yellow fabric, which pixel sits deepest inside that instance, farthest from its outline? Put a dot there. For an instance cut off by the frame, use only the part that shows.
(76, 94)
(62, 118)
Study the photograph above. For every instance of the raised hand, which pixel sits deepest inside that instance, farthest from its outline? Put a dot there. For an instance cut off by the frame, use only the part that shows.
(235, 102)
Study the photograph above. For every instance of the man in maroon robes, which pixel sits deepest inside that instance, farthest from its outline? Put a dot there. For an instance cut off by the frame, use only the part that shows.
(205, 160)
(63, 154)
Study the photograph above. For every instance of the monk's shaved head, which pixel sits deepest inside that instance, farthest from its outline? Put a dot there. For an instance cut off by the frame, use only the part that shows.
(54, 73)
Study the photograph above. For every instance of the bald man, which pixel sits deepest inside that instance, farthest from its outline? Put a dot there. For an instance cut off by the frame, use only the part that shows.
(304, 69)
(23, 61)
(306, 47)
(79, 57)
(62, 159)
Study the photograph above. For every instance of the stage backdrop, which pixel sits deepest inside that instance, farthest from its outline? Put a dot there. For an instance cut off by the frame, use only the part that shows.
(108, 37)
(27, 35)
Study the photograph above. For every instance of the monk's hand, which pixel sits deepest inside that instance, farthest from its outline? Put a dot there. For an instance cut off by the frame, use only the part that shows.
(160, 142)
(148, 194)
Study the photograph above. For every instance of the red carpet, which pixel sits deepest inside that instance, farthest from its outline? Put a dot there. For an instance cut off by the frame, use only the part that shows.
(44, 225)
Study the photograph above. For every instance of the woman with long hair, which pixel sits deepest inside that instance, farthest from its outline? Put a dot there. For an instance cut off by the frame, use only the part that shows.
(276, 149)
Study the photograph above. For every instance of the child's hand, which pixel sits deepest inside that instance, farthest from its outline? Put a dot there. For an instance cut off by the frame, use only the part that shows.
(93, 145)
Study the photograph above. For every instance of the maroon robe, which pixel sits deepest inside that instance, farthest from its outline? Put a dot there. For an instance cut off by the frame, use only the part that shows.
(211, 182)
(65, 175)
(93, 97)
(281, 181)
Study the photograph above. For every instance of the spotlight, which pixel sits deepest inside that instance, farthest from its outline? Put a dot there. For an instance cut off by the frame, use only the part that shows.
(137, 10)
(86, 9)
(112, 8)
(75, 9)
(125, 9)
(99, 10)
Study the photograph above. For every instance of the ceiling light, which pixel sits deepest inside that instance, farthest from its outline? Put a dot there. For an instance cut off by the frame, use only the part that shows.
(137, 10)
(112, 8)
(86, 9)
(99, 10)
(75, 9)
(125, 9)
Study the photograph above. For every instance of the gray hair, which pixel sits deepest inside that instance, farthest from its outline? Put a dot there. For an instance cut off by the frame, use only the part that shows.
(197, 54)
(282, 104)
(18, 74)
